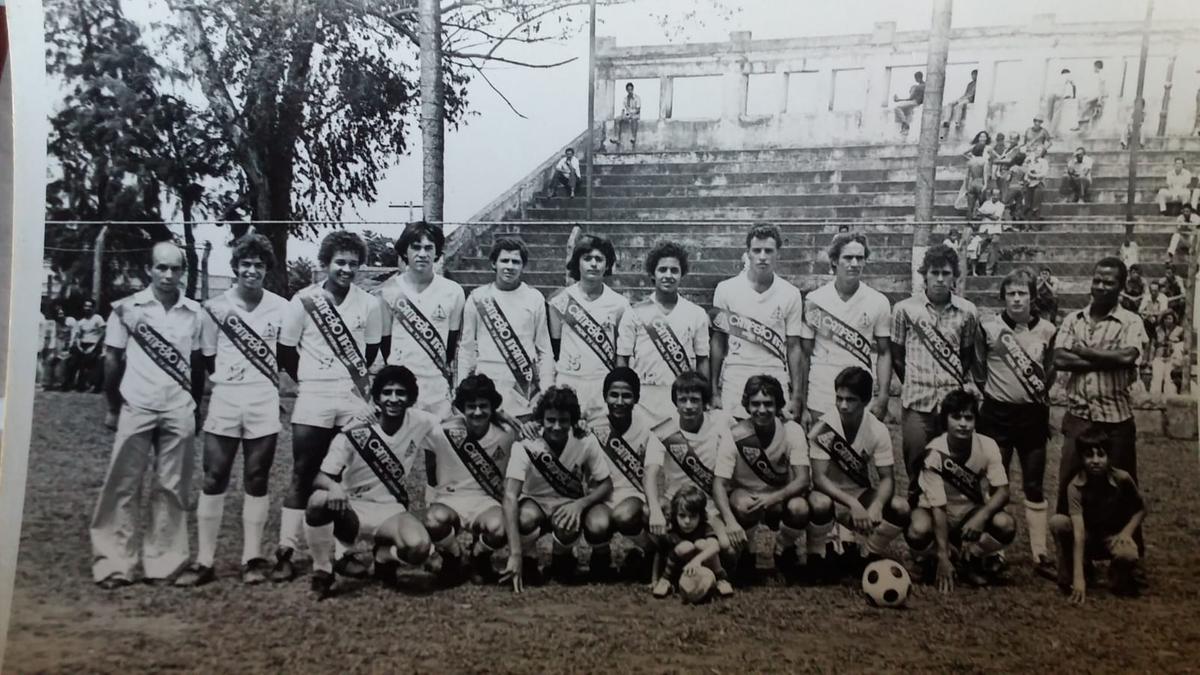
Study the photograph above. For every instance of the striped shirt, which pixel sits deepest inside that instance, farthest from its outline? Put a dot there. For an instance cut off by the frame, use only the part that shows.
(1102, 395)
(926, 381)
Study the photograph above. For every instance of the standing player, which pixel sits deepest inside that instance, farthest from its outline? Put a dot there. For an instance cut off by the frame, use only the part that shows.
(422, 316)
(152, 337)
(933, 352)
(544, 488)
(1016, 359)
(664, 335)
(846, 323)
(757, 326)
(466, 477)
(763, 477)
(583, 322)
(504, 332)
(954, 509)
(626, 441)
(843, 445)
(359, 493)
(239, 329)
(326, 329)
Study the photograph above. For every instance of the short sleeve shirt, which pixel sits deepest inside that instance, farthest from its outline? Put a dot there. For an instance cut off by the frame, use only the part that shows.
(712, 439)
(448, 475)
(145, 384)
(581, 456)
(576, 358)
(687, 321)
(914, 323)
(1106, 503)
(984, 461)
(232, 366)
(844, 334)
(358, 479)
(359, 311)
(780, 308)
(783, 453)
(1009, 349)
(90, 329)
(441, 306)
(641, 441)
(872, 442)
(1102, 395)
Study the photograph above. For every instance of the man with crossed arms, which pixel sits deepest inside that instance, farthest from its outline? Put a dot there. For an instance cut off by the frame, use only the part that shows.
(157, 333)
(762, 335)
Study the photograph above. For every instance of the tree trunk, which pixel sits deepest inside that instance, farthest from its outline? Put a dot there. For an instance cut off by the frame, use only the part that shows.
(931, 119)
(432, 110)
(189, 250)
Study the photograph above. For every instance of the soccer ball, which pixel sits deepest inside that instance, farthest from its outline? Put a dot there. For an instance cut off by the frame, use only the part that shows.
(886, 583)
(696, 588)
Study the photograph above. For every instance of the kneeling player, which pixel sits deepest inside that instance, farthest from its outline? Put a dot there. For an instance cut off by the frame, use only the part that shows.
(626, 440)
(466, 477)
(691, 543)
(359, 492)
(763, 477)
(1104, 510)
(842, 446)
(952, 507)
(544, 487)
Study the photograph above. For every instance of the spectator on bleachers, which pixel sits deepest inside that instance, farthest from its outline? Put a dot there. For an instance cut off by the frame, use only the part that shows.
(1181, 236)
(1015, 203)
(1079, 175)
(958, 107)
(1169, 351)
(1064, 105)
(1135, 288)
(1036, 135)
(904, 106)
(1046, 302)
(975, 182)
(1188, 215)
(1001, 155)
(1037, 172)
(566, 173)
(973, 248)
(1173, 290)
(953, 239)
(631, 114)
(1092, 92)
(1129, 251)
(1154, 305)
(1178, 190)
(992, 211)
(1128, 132)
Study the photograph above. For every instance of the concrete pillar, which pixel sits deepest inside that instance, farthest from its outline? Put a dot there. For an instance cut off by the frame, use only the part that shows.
(737, 78)
(666, 92)
(877, 120)
(784, 81)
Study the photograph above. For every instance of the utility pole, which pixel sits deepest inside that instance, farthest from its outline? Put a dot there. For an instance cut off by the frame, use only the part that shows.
(931, 120)
(98, 267)
(433, 129)
(410, 204)
(591, 112)
(1139, 115)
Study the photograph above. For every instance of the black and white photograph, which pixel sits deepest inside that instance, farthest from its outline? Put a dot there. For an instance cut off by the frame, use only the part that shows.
(603, 335)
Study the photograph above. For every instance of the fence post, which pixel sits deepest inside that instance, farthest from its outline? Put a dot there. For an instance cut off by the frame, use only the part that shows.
(98, 266)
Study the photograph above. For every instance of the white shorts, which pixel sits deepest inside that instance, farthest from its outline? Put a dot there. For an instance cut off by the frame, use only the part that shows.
(372, 516)
(328, 408)
(433, 396)
(468, 506)
(590, 391)
(621, 494)
(655, 402)
(243, 411)
(512, 401)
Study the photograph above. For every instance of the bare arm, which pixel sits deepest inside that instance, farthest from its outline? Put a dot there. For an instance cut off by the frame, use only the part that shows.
(199, 375)
(702, 364)
(798, 366)
(706, 548)
(718, 344)
(114, 368)
(801, 482)
(372, 352)
(657, 520)
(820, 473)
(996, 502)
(385, 347)
(884, 363)
(898, 355)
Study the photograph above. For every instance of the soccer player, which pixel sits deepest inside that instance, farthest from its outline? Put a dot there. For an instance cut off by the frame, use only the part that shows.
(326, 330)
(762, 478)
(583, 322)
(933, 351)
(954, 508)
(843, 444)
(757, 326)
(154, 374)
(422, 316)
(544, 488)
(1016, 369)
(238, 334)
(664, 335)
(360, 493)
(466, 477)
(626, 441)
(504, 332)
(846, 323)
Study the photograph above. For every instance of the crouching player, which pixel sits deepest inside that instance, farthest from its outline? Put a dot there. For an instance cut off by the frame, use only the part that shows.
(762, 478)
(544, 488)
(843, 445)
(466, 479)
(359, 493)
(687, 458)
(952, 507)
(691, 543)
(1105, 509)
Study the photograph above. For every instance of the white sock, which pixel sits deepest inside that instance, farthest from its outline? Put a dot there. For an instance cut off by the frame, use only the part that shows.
(448, 545)
(985, 546)
(291, 527)
(254, 524)
(339, 549)
(881, 537)
(818, 537)
(786, 538)
(320, 546)
(560, 547)
(1036, 519)
(209, 510)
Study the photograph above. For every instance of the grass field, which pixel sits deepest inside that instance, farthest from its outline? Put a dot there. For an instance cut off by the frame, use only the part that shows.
(63, 623)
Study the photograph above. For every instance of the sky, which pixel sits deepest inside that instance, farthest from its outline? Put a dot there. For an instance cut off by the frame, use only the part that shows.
(496, 148)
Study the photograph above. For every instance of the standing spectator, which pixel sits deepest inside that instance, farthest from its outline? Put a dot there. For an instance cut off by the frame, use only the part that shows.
(60, 354)
(86, 349)
(958, 107)
(1167, 348)
(989, 253)
(1016, 186)
(1079, 175)
(1128, 132)
(1065, 105)
(1036, 174)
(1178, 189)
(1180, 237)
(1091, 97)
(1046, 302)
(992, 211)
(1173, 290)
(1003, 153)
(904, 106)
(1036, 136)
(953, 239)
(1129, 253)
(973, 247)
(975, 181)
(45, 373)
(566, 173)
(631, 114)
(1135, 288)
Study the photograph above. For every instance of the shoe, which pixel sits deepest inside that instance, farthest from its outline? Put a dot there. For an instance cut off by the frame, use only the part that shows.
(283, 570)
(634, 567)
(724, 588)
(972, 573)
(351, 567)
(113, 581)
(482, 571)
(663, 588)
(254, 571)
(453, 572)
(1046, 568)
(746, 569)
(927, 570)
(786, 562)
(322, 584)
(386, 572)
(195, 575)
(600, 567)
(563, 568)
(531, 572)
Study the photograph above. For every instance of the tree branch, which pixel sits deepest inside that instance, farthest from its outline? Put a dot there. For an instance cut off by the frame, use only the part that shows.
(485, 57)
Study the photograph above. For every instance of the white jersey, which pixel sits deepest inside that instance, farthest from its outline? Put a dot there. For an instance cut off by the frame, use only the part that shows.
(687, 321)
(576, 358)
(358, 479)
(872, 445)
(712, 439)
(525, 311)
(318, 363)
(779, 308)
(582, 458)
(232, 367)
(441, 304)
(984, 466)
(639, 439)
(844, 335)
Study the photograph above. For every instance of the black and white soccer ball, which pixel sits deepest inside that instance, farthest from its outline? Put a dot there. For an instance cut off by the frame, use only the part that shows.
(886, 583)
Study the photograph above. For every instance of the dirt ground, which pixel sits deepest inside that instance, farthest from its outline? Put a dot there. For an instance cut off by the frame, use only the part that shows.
(63, 623)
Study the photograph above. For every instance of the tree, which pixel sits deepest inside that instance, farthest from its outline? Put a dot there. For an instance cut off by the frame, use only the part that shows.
(381, 251)
(300, 274)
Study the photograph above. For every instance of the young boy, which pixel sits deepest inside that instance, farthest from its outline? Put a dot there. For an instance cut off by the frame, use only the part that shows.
(690, 543)
(1105, 510)
(953, 507)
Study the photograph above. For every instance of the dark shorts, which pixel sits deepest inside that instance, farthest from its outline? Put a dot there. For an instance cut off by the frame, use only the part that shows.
(1022, 426)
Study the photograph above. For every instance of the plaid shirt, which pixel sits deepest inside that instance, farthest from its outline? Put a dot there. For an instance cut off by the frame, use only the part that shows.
(1103, 395)
(925, 380)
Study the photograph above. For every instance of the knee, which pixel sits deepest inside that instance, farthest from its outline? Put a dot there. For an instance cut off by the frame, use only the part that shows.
(316, 514)
(1033, 491)
(683, 550)
(417, 551)
(920, 528)
(1060, 524)
(215, 483)
(530, 517)
(897, 512)
(440, 521)
(739, 503)
(796, 513)
(629, 517)
(820, 508)
(1003, 528)
(597, 525)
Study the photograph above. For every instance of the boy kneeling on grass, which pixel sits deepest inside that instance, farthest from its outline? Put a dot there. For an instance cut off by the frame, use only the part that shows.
(1104, 510)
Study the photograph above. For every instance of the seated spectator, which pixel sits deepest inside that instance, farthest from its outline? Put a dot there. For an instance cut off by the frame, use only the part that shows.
(904, 106)
(992, 211)
(1135, 288)
(1167, 347)
(1173, 290)
(1036, 174)
(958, 107)
(1079, 175)
(1187, 214)
(1181, 236)
(1046, 302)
(1178, 190)
(1129, 252)
(1036, 136)
(973, 249)
(566, 173)
(1154, 305)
